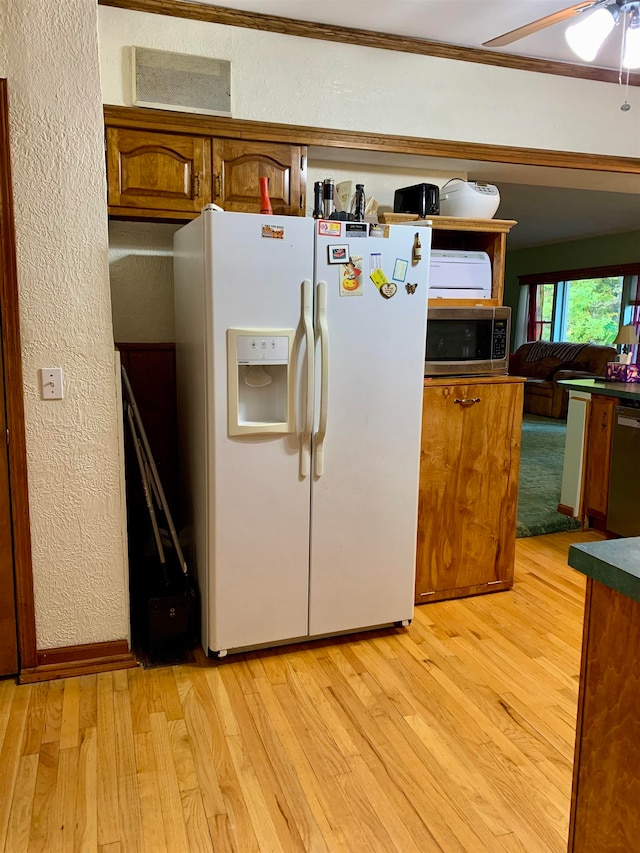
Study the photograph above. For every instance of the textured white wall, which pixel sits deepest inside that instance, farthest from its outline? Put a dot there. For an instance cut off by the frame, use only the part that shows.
(49, 54)
(292, 80)
(141, 272)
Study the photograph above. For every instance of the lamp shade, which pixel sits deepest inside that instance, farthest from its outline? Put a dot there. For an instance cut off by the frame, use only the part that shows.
(586, 37)
(631, 56)
(626, 335)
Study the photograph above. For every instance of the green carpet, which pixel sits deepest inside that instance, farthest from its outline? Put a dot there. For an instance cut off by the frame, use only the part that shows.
(540, 479)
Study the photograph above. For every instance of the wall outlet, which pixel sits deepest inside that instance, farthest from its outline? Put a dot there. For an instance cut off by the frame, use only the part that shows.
(51, 383)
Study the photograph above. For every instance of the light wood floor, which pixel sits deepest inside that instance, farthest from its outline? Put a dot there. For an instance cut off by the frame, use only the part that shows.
(453, 735)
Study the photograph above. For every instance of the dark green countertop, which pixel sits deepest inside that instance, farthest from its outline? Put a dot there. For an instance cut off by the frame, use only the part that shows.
(623, 390)
(613, 562)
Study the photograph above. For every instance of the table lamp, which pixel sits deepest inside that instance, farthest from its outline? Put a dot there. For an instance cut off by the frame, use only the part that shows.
(626, 337)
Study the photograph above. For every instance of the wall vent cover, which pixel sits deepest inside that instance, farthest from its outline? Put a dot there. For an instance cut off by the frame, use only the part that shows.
(177, 81)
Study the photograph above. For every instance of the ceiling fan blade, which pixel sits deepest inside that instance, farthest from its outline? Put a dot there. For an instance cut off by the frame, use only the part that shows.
(540, 24)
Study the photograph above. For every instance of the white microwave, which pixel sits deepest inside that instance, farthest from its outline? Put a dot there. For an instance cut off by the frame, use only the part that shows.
(467, 341)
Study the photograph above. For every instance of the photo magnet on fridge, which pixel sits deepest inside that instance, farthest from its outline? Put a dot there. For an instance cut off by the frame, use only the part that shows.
(338, 254)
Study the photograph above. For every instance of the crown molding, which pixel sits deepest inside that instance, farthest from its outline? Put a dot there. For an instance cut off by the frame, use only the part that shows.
(364, 38)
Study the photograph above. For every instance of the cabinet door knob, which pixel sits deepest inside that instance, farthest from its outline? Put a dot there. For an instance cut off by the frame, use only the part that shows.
(467, 401)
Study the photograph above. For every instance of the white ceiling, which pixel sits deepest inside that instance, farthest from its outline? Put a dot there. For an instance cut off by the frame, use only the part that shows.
(468, 23)
(550, 205)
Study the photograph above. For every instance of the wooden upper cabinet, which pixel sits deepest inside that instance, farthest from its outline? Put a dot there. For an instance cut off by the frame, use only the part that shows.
(161, 173)
(238, 165)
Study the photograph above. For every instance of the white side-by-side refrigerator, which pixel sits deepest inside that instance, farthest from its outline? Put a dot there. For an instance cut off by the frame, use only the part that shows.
(300, 353)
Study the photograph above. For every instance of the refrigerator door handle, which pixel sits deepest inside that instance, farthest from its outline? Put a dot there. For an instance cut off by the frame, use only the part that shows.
(307, 321)
(323, 337)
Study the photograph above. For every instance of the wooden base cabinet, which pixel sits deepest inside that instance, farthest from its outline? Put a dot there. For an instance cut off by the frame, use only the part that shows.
(470, 457)
(605, 817)
(598, 466)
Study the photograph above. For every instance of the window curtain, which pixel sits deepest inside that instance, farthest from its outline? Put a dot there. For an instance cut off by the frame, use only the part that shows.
(533, 331)
(522, 319)
(635, 319)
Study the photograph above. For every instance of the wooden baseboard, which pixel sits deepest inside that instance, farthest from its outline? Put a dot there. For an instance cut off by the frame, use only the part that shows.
(563, 509)
(79, 660)
(463, 592)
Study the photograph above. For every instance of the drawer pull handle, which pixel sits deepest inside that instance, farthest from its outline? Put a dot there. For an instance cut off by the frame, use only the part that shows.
(467, 401)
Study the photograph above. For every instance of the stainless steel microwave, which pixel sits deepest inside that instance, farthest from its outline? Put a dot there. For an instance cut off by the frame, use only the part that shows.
(467, 341)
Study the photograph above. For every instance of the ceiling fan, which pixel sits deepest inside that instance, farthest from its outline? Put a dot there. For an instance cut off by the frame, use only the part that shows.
(586, 36)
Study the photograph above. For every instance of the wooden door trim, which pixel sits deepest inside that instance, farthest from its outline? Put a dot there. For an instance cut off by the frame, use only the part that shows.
(168, 121)
(10, 319)
(365, 38)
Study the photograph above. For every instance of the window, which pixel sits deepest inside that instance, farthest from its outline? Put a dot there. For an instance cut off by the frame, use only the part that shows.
(583, 310)
(582, 306)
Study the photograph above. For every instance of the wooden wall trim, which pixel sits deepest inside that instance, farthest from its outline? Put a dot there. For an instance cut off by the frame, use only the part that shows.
(577, 274)
(366, 38)
(10, 320)
(177, 122)
(79, 660)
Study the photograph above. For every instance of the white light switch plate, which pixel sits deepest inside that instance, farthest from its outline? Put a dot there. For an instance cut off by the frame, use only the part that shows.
(51, 383)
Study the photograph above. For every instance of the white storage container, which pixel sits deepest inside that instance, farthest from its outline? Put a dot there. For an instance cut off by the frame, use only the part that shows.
(456, 274)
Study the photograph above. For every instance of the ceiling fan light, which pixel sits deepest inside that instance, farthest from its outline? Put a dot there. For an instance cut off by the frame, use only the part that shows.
(586, 37)
(631, 55)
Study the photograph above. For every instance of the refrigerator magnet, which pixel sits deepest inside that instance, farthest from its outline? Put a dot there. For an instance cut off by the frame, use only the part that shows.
(356, 229)
(338, 254)
(410, 288)
(387, 288)
(275, 232)
(351, 277)
(329, 229)
(377, 230)
(400, 270)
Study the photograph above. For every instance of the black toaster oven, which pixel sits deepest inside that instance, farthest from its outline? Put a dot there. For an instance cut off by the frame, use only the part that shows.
(421, 199)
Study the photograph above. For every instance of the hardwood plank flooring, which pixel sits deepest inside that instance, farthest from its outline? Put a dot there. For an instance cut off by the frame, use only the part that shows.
(452, 736)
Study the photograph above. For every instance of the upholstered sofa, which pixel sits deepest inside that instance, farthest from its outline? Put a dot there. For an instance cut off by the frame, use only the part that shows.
(545, 363)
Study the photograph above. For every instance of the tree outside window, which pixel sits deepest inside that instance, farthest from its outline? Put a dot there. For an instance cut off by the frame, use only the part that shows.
(582, 306)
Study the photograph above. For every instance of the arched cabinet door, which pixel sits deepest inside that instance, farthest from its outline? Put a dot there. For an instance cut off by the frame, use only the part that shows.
(238, 165)
(161, 172)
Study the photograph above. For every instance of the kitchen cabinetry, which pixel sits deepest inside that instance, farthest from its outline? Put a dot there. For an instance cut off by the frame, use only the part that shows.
(470, 458)
(157, 175)
(474, 235)
(600, 431)
(237, 166)
(606, 785)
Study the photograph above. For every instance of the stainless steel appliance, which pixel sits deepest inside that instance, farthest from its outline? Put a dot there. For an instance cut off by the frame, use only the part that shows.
(465, 341)
(623, 513)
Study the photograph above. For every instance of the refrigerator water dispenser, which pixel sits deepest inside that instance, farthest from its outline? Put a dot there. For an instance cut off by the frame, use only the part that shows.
(260, 381)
